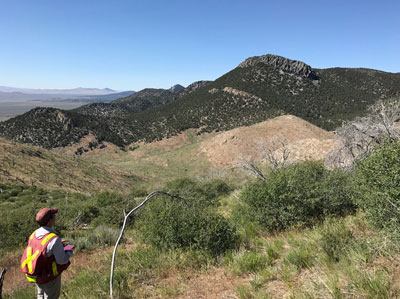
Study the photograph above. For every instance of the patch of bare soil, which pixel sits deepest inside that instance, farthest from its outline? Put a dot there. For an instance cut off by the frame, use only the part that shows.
(304, 140)
(218, 283)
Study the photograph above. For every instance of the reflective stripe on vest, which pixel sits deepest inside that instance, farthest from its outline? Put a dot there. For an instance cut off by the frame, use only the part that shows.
(54, 265)
(48, 237)
(30, 278)
(29, 258)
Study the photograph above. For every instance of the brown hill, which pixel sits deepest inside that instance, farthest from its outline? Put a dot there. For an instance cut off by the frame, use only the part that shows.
(304, 141)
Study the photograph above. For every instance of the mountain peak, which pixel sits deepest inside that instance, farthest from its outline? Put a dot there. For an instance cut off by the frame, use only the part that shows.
(282, 63)
(176, 88)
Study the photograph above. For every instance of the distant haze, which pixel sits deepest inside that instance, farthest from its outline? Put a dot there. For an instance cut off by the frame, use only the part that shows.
(74, 91)
(15, 101)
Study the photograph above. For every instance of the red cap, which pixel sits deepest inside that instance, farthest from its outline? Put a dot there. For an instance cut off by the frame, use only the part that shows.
(45, 214)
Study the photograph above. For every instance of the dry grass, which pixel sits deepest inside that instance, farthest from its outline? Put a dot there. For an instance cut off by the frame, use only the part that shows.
(24, 164)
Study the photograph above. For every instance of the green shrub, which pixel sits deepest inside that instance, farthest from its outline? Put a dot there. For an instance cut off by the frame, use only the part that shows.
(338, 193)
(172, 223)
(101, 236)
(17, 224)
(299, 194)
(19, 205)
(379, 180)
(203, 195)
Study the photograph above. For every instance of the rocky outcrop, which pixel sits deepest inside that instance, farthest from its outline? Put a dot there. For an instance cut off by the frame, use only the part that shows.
(193, 87)
(284, 64)
(176, 88)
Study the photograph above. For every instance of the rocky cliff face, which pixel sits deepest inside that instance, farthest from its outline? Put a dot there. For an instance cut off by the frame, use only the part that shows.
(193, 87)
(283, 64)
(176, 88)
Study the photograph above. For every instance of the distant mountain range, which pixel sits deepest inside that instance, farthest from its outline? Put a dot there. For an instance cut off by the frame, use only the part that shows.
(75, 91)
(82, 95)
(258, 89)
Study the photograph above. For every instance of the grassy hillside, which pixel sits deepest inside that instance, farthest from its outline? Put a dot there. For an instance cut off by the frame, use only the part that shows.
(35, 166)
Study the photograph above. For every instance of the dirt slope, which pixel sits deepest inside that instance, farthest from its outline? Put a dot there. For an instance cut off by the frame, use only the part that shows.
(304, 141)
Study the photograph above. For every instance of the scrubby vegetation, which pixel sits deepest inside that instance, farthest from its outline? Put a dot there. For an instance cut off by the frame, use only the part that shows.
(243, 96)
(301, 194)
(306, 232)
(193, 223)
(379, 179)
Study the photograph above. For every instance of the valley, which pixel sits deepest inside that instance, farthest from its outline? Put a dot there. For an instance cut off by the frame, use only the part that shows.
(269, 209)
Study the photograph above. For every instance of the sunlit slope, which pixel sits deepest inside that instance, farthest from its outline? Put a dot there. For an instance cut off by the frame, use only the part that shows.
(36, 166)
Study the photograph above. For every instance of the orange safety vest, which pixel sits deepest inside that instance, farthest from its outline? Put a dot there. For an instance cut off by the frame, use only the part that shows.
(36, 265)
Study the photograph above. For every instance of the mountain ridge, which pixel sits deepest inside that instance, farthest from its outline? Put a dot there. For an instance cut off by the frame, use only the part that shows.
(256, 90)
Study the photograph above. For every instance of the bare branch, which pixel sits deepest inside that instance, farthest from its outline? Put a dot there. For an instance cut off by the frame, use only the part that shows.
(249, 164)
(275, 151)
(148, 197)
(2, 275)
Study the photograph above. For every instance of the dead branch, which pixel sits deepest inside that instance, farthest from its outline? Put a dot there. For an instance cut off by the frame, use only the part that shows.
(275, 151)
(152, 194)
(2, 275)
(249, 164)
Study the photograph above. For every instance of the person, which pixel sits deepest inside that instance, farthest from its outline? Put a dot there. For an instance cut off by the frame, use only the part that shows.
(44, 258)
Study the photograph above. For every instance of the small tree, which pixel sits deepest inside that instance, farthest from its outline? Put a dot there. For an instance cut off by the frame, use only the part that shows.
(275, 151)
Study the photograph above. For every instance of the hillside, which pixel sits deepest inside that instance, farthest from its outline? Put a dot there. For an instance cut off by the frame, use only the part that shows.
(304, 141)
(139, 101)
(260, 88)
(28, 165)
(217, 154)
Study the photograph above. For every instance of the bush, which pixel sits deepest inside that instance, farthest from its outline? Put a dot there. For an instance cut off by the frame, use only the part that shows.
(299, 194)
(100, 236)
(19, 205)
(379, 180)
(203, 195)
(172, 223)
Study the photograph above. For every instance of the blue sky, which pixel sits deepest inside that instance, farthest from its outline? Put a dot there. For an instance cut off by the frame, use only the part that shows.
(130, 45)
